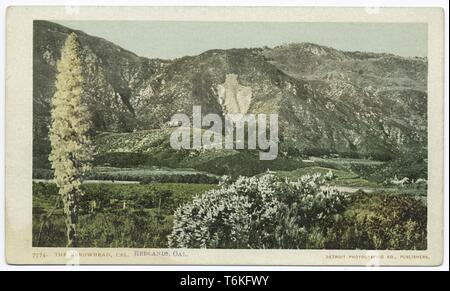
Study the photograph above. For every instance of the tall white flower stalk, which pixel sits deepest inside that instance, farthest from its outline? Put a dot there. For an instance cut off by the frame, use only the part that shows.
(71, 148)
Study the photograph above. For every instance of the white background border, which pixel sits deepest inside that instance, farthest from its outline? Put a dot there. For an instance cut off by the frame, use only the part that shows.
(374, 3)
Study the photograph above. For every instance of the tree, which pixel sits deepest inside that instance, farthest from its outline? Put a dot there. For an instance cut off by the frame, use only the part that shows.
(71, 148)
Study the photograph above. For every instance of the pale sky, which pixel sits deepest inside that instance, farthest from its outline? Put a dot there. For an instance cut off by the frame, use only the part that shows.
(176, 39)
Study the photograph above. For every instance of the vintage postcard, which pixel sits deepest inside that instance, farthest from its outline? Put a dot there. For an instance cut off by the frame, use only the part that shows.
(224, 136)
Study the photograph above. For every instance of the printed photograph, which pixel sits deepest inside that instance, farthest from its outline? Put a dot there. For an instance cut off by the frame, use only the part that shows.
(230, 135)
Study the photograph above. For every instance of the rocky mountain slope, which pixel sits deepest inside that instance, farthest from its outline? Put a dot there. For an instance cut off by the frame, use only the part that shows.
(329, 101)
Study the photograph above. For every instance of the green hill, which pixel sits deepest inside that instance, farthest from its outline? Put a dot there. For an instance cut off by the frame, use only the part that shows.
(152, 148)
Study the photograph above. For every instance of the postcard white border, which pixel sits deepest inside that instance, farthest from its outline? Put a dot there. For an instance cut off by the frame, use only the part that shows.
(18, 161)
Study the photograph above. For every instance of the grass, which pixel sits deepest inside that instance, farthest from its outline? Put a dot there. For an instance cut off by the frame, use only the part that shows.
(141, 215)
(135, 215)
(112, 215)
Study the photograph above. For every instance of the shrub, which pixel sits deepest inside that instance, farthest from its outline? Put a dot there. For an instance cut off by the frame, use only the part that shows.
(263, 212)
(410, 163)
(380, 221)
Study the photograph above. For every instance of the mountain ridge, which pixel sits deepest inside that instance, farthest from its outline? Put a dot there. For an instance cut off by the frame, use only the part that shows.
(329, 101)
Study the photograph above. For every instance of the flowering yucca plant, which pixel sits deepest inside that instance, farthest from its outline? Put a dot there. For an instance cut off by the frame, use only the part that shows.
(256, 212)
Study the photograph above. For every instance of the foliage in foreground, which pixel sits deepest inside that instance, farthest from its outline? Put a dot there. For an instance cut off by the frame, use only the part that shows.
(257, 212)
(270, 213)
(112, 215)
(379, 221)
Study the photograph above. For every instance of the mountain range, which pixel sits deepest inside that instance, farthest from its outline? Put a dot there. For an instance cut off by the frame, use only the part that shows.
(328, 101)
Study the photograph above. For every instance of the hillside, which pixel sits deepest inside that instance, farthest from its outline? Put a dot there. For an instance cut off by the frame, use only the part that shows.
(329, 101)
(151, 148)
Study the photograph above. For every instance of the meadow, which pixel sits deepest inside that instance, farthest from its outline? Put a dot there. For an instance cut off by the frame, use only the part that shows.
(142, 216)
(112, 215)
(138, 184)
